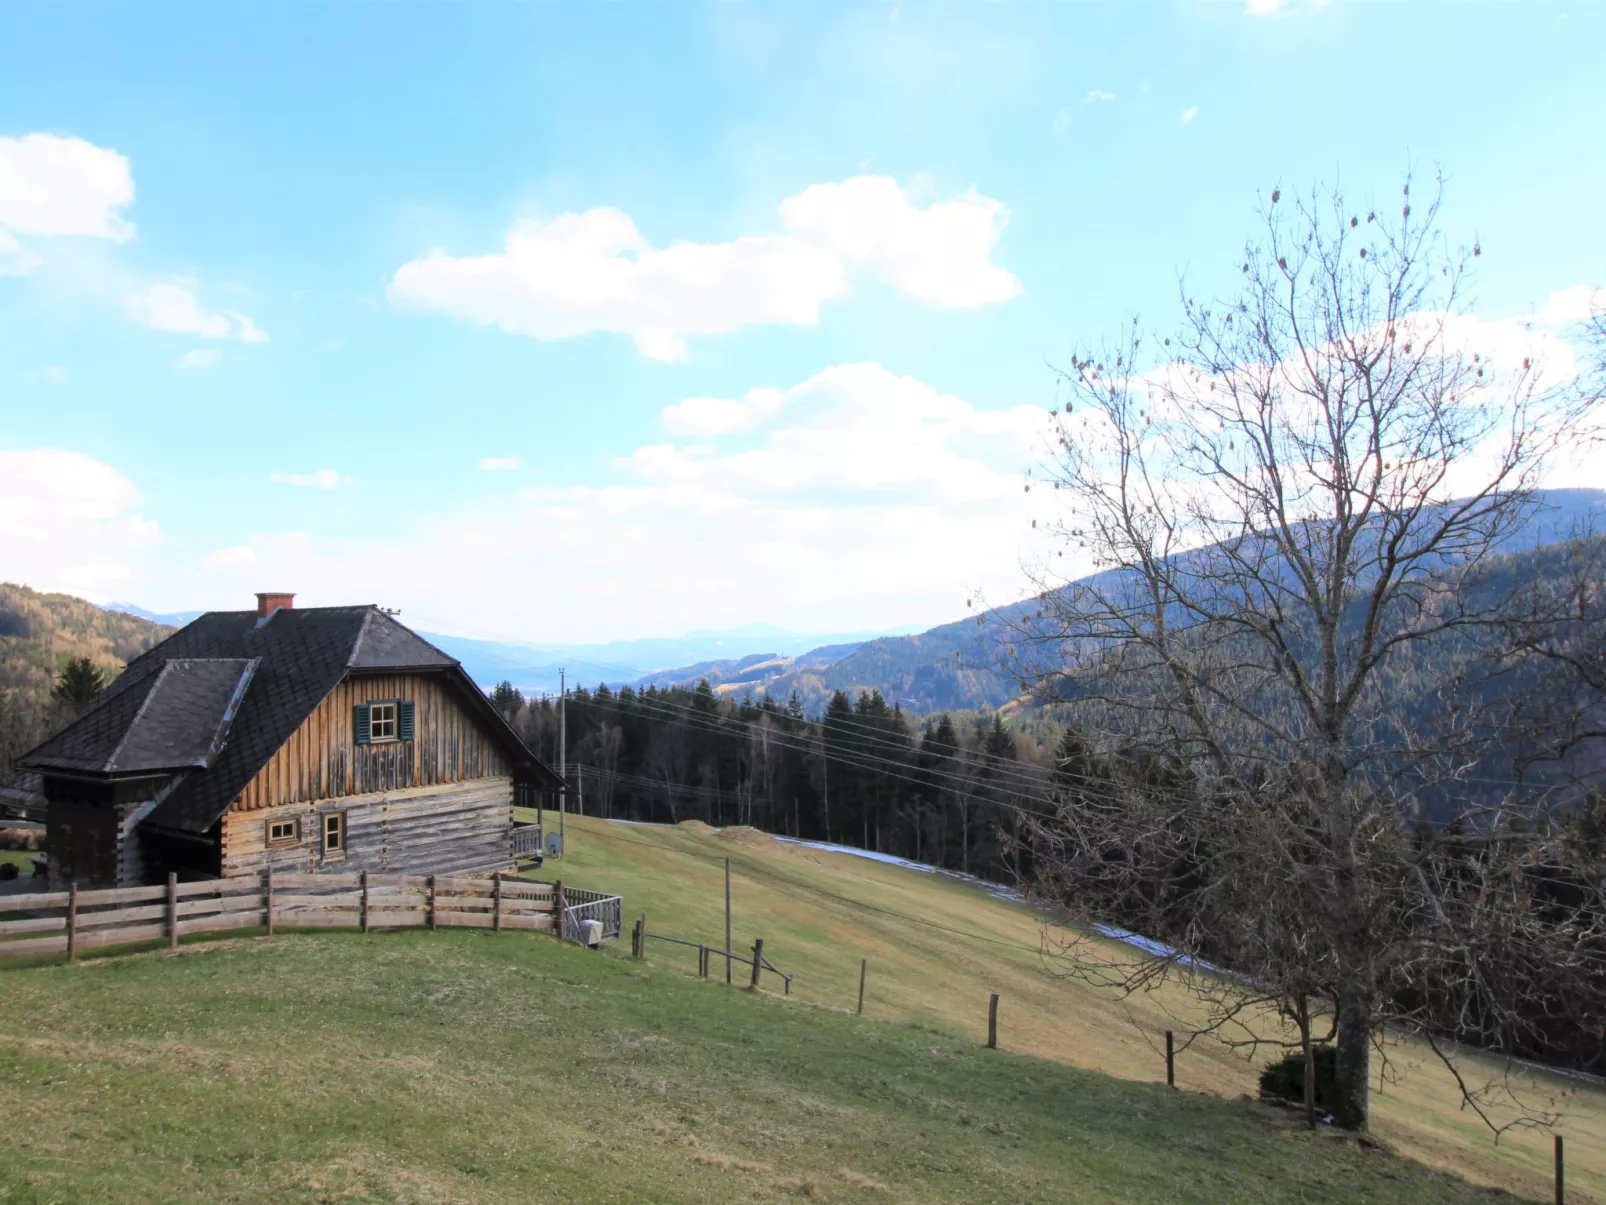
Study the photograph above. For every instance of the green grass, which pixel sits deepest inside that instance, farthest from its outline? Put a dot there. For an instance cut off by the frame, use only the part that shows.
(465, 1066)
(937, 947)
(22, 860)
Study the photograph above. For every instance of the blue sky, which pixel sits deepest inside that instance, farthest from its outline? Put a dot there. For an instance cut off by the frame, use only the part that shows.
(566, 322)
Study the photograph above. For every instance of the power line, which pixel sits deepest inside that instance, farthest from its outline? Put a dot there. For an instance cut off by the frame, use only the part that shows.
(1002, 770)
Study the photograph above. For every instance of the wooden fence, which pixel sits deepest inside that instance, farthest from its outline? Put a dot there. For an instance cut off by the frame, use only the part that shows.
(72, 921)
(706, 954)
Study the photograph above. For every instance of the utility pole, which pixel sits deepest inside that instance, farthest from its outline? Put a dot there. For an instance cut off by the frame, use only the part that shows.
(563, 752)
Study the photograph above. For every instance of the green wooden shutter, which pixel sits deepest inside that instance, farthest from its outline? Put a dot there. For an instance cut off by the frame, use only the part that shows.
(404, 720)
(359, 723)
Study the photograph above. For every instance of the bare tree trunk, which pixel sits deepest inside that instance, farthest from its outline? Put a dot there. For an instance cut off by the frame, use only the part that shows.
(1310, 1061)
(1352, 1070)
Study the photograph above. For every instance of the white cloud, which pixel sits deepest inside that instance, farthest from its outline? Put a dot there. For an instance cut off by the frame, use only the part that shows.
(1278, 8)
(498, 464)
(721, 416)
(236, 556)
(941, 254)
(594, 271)
(1094, 96)
(172, 306)
(198, 359)
(856, 498)
(318, 479)
(55, 374)
(245, 330)
(68, 522)
(51, 185)
(856, 427)
(1569, 307)
(1189, 114)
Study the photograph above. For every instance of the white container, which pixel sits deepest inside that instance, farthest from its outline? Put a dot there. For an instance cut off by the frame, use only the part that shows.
(591, 933)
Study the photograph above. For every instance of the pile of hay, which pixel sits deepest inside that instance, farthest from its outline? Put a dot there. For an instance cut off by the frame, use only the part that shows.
(698, 827)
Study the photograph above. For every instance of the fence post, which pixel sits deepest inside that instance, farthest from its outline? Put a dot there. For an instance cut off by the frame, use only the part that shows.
(496, 909)
(267, 898)
(172, 910)
(1170, 1059)
(864, 965)
(557, 900)
(992, 1022)
(363, 917)
(1561, 1175)
(758, 961)
(431, 903)
(643, 923)
(72, 920)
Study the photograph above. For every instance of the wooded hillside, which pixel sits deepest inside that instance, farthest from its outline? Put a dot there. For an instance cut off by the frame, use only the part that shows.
(39, 635)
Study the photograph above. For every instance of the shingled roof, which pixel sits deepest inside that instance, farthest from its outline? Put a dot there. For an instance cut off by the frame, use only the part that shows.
(175, 718)
(177, 707)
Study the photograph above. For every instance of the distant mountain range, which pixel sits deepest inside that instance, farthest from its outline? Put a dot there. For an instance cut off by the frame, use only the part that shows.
(951, 667)
(945, 668)
(535, 668)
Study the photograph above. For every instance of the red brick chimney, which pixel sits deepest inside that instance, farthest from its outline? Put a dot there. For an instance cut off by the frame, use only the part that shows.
(268, 603)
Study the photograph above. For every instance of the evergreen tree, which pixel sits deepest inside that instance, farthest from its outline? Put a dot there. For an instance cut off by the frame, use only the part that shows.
(507, 699)
(79, 683)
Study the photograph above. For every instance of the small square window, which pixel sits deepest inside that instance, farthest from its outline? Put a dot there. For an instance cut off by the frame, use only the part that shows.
(284, 832)
(381, 721)
(334, 832)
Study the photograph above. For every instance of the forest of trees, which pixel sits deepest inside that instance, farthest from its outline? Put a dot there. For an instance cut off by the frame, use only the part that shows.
(950, 792)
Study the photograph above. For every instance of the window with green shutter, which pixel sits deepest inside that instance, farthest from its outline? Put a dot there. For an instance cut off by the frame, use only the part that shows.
(380, 721)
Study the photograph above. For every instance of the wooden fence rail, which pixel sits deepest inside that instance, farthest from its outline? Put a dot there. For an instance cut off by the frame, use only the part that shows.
(638, 948)
(54, 922)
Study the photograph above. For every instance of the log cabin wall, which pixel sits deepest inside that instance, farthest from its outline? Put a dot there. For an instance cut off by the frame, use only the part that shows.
(322, 760)
(440, 803)
(451, 828)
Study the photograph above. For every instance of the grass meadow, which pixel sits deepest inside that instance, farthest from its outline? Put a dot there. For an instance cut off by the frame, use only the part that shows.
(464, 1066)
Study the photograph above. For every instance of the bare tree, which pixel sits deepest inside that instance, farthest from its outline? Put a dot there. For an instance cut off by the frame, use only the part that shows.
(1294, 502)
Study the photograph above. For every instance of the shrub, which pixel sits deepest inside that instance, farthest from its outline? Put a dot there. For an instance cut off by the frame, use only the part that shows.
(1285, 1079)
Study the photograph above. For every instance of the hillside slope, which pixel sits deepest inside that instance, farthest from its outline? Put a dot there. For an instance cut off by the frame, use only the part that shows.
(465, 1066)
(44, 631)
(937, 946)
(39, 634)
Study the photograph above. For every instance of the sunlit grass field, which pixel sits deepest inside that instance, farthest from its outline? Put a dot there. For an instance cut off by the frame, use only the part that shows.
(820, 913)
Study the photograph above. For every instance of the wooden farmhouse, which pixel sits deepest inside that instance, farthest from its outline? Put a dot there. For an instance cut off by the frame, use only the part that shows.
(325, 738)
